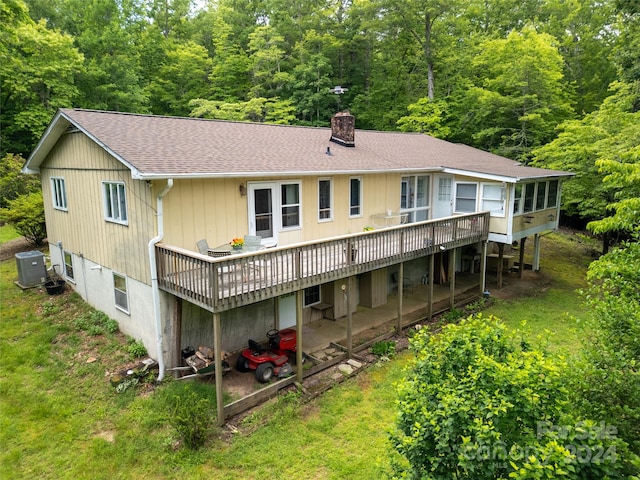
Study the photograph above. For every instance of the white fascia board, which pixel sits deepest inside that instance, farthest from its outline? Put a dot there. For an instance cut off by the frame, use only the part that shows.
(483, 176)
(277, 174)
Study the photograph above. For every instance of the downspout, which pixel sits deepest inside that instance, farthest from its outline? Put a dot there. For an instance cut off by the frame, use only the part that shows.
(154, 276)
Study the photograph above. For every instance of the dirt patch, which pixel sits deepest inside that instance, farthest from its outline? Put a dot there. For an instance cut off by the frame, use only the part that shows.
(9, 249)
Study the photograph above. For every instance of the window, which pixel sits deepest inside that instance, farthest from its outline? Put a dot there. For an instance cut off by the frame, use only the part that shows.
(290, 204)
(466, 197)
(59, 193)
(120, 289)
(355, 197)
(517, 200)
(414, 197)
(115, 202)
(529, 195)
(68, 265)
(552, 194)
(493, 199)
(541, 195)
(325, 210)
(444, 189)
(311, 295)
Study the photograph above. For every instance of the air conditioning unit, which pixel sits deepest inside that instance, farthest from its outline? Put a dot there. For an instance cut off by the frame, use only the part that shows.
(31, 268)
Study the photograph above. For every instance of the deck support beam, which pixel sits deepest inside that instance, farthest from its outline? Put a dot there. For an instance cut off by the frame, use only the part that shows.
(432, 261)
(483, 268)
(400, 295)
(521, 257)
(500, 260)
(452, 277)
(299, 372)
(349, 319)
(536, 252)
(217, 353)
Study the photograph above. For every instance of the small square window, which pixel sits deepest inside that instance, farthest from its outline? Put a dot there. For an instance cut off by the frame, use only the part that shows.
(311, 295)
(68, 265)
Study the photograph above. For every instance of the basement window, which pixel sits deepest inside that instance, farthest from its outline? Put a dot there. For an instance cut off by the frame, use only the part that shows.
(120, 291)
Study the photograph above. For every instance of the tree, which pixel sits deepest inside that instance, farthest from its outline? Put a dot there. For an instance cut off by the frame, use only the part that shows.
(26, 214)
(519, 96)
(261, 110)
(606, 383)
(474, 405)
(426, 117)
(37, 76)
(13, 183)
(603, 149)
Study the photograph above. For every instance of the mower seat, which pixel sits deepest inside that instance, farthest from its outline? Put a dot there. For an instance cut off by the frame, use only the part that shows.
(255, 347)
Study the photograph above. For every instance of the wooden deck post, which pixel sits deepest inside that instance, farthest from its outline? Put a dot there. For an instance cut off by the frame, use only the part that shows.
(217, 352)
(349, 319)
(483, 268)
(500, 259)
(452, 277)
(521, 257)
(299, 372)
(536, 252)
(400, 303)
(432, 261)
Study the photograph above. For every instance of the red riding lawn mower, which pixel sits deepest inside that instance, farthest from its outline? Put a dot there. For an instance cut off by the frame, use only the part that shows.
(272, 359)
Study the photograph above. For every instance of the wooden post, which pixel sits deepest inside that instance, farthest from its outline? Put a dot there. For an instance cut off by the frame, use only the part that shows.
(299, 372)
(400, 294)
(432, 261)
(452, 277)
(500, 258)
(217, 352)
(521, 257)
(483, 268)
(349, 319)
(536, 252)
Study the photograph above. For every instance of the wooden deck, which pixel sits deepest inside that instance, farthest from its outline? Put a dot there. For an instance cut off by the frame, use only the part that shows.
(219, 284)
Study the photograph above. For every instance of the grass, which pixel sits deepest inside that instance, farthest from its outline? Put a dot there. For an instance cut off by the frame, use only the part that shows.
(60, 418)
(7, 232)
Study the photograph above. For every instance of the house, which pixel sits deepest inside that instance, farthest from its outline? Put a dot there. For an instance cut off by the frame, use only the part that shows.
(341, 213)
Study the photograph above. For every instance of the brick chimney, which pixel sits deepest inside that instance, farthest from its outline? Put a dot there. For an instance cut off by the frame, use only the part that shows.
(343, 126)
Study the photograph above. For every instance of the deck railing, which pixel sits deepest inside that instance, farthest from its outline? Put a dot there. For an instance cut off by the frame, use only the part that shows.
(222, 283)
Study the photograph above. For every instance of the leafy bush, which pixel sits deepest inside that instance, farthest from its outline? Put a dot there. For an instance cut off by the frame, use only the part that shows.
(26, 214)
(136, 348)
(607, 383)
(384, 348)
(192, 417)
(473, 405)
(96, 323)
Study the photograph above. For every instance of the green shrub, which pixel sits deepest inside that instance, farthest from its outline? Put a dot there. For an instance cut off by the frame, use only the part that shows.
(26, 214)
(192, 418)
(136, 348)
(384, 348)
(96, 323)
(472, 405)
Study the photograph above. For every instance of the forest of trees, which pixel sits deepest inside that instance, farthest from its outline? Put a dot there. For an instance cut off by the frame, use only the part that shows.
(553, 83)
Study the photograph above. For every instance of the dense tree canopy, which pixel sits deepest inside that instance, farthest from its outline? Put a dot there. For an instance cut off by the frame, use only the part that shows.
(497, 75)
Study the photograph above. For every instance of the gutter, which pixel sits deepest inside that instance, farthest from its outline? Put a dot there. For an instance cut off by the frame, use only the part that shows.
(155, 292)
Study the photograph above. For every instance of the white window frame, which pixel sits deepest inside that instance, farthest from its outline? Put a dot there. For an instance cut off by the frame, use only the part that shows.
(120, 293)
(352, 212)
(59, 193)
(496, 200)
(525, 187)
(543, 200)
(518, 198)
(115, 206)
(408, 198)
(548, 203)
(68, 266)
(297, 205)
(327, 211)
(457, 197)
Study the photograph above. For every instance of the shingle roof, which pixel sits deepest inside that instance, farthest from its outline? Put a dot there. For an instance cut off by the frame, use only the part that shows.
(163, 147)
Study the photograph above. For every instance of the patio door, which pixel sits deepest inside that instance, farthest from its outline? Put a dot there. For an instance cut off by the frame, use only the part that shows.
(262, 221)
(443, 198)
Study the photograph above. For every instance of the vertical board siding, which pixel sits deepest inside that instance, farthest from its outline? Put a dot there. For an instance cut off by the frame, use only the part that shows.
(82, 229)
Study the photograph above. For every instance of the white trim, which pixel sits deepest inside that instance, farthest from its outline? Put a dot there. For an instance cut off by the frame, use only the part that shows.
(455, 196)
(106, 207)
(59, 187)
(360, 197)
(125, 292)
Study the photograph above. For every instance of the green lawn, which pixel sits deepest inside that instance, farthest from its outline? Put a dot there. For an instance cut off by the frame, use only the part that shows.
(60, 418)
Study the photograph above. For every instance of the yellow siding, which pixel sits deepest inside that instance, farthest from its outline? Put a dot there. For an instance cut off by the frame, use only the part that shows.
(216, 210)
(82, 229)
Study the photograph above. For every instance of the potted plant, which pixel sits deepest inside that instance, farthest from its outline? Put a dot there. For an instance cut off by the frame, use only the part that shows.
(237, 243)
